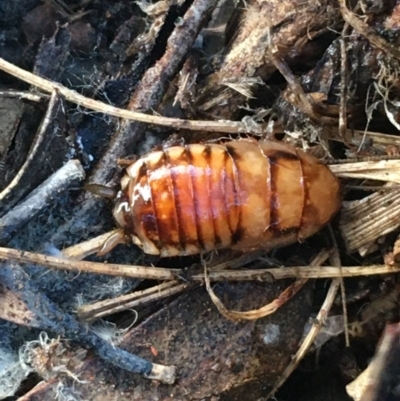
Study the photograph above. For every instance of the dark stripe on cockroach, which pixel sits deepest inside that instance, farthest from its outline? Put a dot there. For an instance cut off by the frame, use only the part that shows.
(127, 214)
(226, 157)
(207, 153)
(305, 197)
(161, 234)
(237, 233)
(273, 207)
(194, 195)
(142, 171)
(150, 220)
(270, 186)
(178, 208)
(172, 192)
(281, 154)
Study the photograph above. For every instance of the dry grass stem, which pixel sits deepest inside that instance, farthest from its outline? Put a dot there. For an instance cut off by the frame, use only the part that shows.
(299, 272)
(270, 308)
(33, 97)
(110, 306)
(39, 138)
(45, 85)
(312, 334)
(357, 137)
(37, 390)
(138, 298)
(254, 314)
(146, 272)
(381, 170)
(343, 85)
(159, 273)
(363, 221)
(335, 260)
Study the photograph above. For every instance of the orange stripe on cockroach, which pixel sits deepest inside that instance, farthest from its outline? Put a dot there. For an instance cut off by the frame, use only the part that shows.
(241, 194)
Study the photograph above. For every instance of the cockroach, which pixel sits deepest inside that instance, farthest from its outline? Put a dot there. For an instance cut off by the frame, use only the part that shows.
(241, 194)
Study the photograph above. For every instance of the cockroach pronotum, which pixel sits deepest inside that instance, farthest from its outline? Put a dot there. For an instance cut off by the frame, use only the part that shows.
(242, 194)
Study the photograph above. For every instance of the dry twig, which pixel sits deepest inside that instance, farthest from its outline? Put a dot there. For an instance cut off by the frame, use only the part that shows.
(159, 273)
(40, 199)
(41, 313)
(343, 86)
(90, 267)
(368, 32)
(109, 306)
(45, 85)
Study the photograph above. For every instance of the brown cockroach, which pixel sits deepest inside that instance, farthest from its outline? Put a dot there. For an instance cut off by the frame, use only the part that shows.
(242, 194)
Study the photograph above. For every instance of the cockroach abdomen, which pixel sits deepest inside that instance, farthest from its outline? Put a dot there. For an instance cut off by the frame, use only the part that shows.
(242, 194)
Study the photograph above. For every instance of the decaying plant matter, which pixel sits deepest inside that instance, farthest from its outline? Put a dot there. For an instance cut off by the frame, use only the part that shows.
(90, 83)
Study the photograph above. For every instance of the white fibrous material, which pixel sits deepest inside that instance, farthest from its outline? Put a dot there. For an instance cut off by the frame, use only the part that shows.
(12, 372)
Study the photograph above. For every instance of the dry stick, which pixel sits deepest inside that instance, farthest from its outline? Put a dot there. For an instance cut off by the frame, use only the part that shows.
(104, 308)
(129, 301)
(33, 97)
(368, 32)
(45, 315)
(343, 87)
(336, 260)
(151, 89)
(90, 267)
(159, 273)
(298, 272)
(231, 127)
(36, 392)
(40, 198)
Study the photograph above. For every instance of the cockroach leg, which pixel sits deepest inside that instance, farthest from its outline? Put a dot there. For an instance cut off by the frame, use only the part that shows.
(101, 190)
(126, 162)
(116, 238)
(89, 247)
